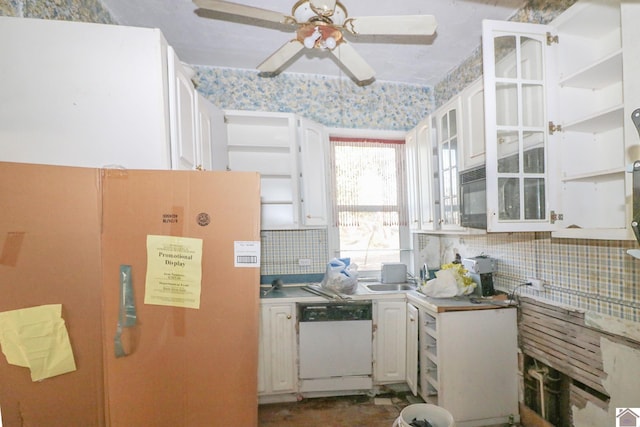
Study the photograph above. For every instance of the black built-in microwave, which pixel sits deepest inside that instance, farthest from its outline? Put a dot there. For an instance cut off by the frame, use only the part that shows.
(473, 197)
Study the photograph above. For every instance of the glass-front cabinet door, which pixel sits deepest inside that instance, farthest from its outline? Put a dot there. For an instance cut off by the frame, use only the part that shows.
(449, 144)
(559, 135)
(419, 166)
(515, 81)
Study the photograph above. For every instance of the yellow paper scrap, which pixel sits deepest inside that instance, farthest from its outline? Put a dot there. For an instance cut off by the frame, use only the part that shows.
(174, 271)
(37, 338)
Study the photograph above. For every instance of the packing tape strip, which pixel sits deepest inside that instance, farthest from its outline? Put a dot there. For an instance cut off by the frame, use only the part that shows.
(11, 248)
(127, 317)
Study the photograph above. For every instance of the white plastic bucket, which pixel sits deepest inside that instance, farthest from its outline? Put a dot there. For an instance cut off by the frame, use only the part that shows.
(437, 416)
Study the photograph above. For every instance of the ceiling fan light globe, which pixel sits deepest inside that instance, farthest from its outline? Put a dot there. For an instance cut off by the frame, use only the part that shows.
(309, 42)
(330, 43)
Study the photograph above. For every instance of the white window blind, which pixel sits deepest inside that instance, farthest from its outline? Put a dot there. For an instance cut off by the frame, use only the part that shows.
(370, 201)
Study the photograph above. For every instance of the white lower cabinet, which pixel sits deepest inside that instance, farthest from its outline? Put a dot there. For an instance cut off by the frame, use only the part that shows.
(277, 372)
(389, 341)
(468, 364)
(412, 348)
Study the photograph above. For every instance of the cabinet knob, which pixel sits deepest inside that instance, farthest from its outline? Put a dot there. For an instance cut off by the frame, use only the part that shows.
(288, 316)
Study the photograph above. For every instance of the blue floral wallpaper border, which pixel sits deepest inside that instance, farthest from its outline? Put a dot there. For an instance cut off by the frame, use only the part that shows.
(333, 102)
(63, 10)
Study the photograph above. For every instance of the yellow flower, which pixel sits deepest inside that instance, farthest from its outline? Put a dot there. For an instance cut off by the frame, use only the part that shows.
(462, 275)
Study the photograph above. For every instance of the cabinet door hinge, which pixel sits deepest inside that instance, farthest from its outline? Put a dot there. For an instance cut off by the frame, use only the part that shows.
(553, 128)
(551, 39)
(555, 217)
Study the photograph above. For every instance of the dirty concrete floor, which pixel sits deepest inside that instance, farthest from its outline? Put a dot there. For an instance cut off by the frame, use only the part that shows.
(351, 411)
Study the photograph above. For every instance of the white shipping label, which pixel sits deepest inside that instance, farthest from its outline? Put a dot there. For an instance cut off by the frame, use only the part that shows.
(246, 254)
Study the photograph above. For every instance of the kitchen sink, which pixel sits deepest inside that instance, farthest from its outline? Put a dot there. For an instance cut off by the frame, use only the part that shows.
(390, 287)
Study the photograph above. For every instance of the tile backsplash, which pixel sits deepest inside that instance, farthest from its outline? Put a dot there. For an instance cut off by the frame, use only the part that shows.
(593, 275)
(282, 250)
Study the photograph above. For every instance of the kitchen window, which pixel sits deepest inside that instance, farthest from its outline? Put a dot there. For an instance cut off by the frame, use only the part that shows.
(369, 223)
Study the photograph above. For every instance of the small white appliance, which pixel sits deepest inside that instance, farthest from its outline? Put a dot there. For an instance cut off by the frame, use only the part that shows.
(481, 269)
(393, 272)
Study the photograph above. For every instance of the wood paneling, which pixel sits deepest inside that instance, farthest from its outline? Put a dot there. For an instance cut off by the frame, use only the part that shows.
(559, 338)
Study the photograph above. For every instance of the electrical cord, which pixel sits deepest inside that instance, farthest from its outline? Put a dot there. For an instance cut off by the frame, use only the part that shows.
(513, 293)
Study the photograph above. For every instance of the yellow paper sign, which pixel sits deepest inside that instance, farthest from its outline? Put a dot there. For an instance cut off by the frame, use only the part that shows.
(174, 271)
(37, 338)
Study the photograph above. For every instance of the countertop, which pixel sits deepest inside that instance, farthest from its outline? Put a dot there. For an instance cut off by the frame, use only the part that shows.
(296, 293)
(462, 303)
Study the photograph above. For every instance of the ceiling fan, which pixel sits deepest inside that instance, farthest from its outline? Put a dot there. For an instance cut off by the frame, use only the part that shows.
(319, 25)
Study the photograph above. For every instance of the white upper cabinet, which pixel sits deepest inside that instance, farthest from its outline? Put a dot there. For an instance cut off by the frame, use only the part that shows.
(198, 133)
(267, 143)
(211, 136)
(474, 123)
(290, 155)
(449, 142)
(558, 131)
(80, 94)
(314, 157)
(592, 147)
(515, 81)
(186, 154)
(419, 156)
(93, 95)
(413, 199)
(424, 142)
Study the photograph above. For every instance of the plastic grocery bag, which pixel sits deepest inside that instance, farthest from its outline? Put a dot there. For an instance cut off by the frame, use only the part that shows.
(341, 276)
(443, 286)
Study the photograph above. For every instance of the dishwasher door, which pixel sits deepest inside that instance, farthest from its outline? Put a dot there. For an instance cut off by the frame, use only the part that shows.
(335, 349)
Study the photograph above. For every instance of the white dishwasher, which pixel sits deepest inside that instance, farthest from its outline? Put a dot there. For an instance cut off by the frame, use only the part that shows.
(335, 346)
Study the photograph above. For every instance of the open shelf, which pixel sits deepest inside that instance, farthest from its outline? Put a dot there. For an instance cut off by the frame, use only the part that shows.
(597, 75)
(592, 175)
(601, 121)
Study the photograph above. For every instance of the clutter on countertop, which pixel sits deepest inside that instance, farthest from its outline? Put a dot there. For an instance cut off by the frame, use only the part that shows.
(341, 276)
(451, 280)
(275, 285)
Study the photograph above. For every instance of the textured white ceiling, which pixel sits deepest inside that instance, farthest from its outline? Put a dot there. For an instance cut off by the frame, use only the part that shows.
(224, 41)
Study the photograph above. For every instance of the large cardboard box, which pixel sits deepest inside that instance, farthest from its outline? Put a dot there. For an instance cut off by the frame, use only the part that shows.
(50, 243)
(66, 234)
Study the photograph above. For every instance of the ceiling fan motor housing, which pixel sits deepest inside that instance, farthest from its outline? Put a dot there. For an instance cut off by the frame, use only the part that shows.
(304, 11)
(319, 35)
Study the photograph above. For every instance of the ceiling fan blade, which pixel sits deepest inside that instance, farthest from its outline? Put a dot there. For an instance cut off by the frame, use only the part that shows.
(242, 10)
(419, 25)
(280, 57)
(353, 62)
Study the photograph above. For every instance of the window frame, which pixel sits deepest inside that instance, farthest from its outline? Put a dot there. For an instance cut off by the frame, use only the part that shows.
(334, 232)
